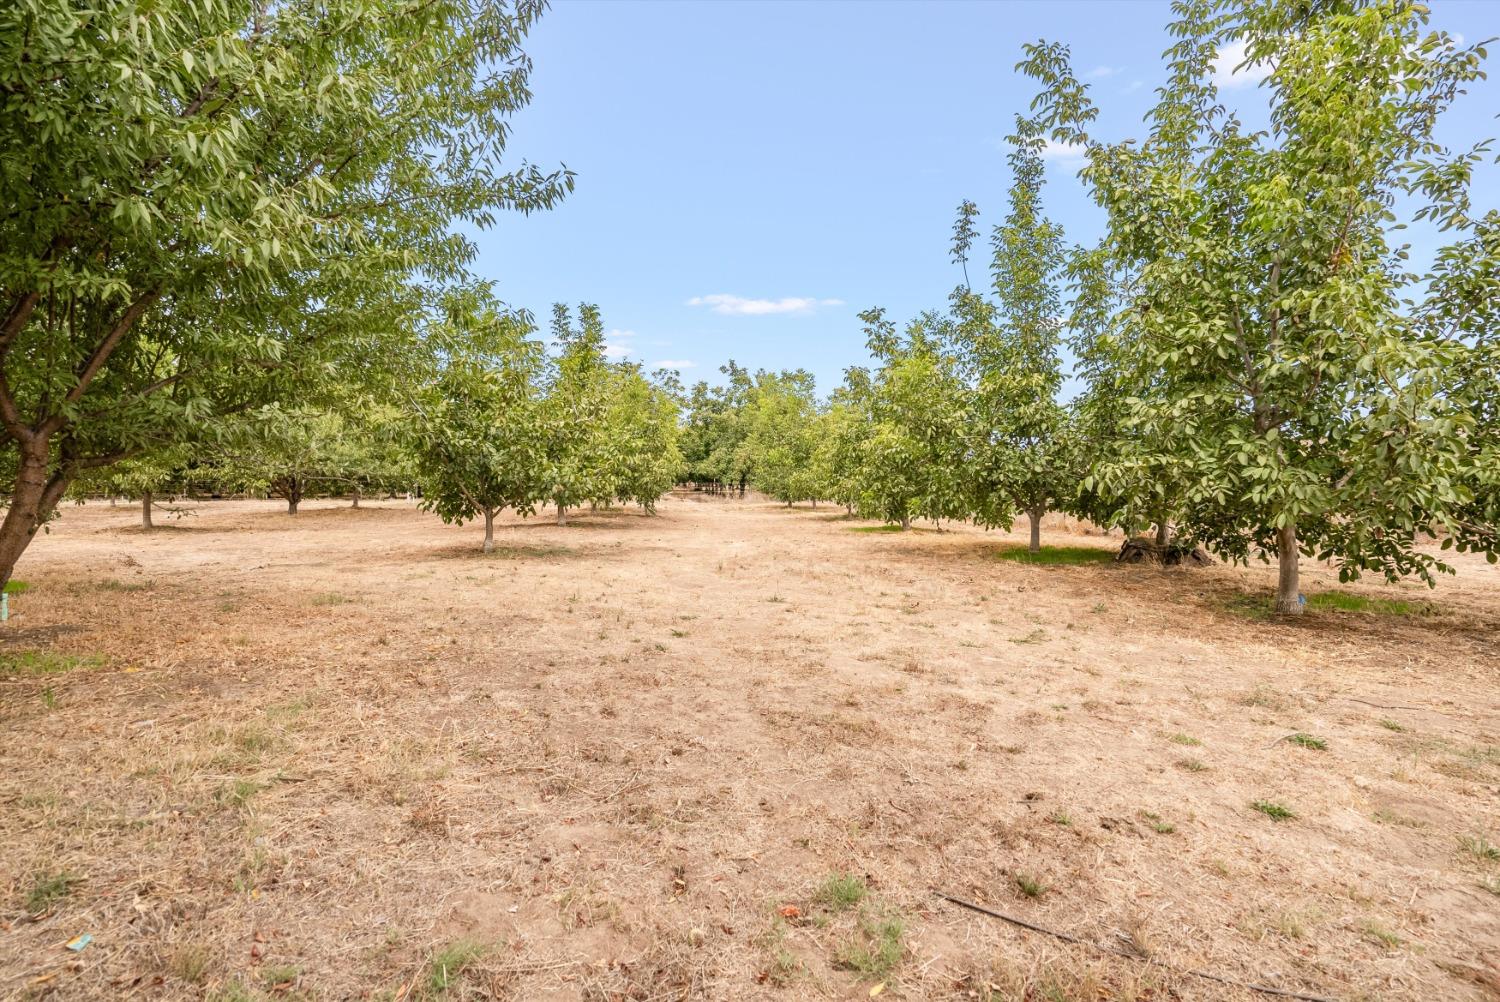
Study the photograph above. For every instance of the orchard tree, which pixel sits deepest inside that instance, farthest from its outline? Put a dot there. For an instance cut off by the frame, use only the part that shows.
(285, 453)
(202, 199)
(476, 439)
(641, 419)
(840, 435)
(912, 461)
(579, 452)
(779, 435)
(1023, 450)
(143, 476)
(1275, 366)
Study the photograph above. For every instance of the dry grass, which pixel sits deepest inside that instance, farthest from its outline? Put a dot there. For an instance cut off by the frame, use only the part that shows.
(726, 753)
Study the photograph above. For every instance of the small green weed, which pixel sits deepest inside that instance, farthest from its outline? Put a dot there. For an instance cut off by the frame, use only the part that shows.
(1391, 725)
(876, 948)
(1030, 886)
(16, 587)
(446, 967)
(47, 889)
(1273, 810)
(1380, 934)
(1184, 739)
(1480, 847)
(1308, 741)
(841, 891)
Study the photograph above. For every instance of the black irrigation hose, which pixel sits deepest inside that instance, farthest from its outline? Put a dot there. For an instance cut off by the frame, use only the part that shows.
(1067, 938)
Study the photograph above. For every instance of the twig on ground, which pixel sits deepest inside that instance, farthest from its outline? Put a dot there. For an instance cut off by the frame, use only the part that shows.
(1068, 938)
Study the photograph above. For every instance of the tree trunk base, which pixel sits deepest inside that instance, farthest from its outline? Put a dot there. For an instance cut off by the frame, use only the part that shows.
(1143, 550)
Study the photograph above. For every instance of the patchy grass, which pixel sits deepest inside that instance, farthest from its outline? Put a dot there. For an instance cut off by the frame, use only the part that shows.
(1377, 933)
(1480, 847)
(1156, 823)
(1184, 739)
(16, 587)
(1036, 636)
(1030, 886)
(1056, 556)
(1307, 741)
(446, 968)
(329, 598)
(841, 891)
(35, 663)
(876, 947)
(1341, 601)
(1391, 725)
(879, 528)
(1273, 810)
(48, 888)
(190, 962)
(280, 977)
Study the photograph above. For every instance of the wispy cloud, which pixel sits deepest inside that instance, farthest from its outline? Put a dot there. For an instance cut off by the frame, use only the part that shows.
(739, 306)
(674, 363)
(1231, 56)
(1100, 72)
(616, 343)
(1134, 86)
(1053, 150)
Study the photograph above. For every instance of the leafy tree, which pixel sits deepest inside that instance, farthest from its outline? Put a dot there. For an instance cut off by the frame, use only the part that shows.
(203, 200)
(579, 451)
(912, 460)
(641, 418)
(1274, 365)
(144, 476)
(1023, 450)
(715, 430)
(478, 442)
(779, 437)
(840, 433)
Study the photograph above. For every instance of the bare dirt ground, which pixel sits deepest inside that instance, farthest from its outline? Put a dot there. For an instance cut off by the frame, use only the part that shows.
(729, 752)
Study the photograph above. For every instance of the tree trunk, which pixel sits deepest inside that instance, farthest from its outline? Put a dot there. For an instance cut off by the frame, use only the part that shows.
(356, 497)
(293, 494)
(562, 514)
(815, 504)
(146, 510)
(489, 531)
(1163, 534)
(1288, 601)
(1035, 515)
(905, 522)
(25, 513)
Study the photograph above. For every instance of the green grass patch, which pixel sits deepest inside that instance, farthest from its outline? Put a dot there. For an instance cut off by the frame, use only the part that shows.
(37, 663)
(841, 891)
(1056, 556)
(16, 587)
(883, 528)
(1184, 739)
(1264, 606)
(47, 889)
(446, 968)
(875, 949)
(1307, 741)
(1273, 810)
(1030, 886)
(1339, 601)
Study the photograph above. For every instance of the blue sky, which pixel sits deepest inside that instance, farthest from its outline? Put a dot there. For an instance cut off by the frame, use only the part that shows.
(751, 175)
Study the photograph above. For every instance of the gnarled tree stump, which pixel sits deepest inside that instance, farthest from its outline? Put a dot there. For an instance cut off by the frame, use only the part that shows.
(1144, 550)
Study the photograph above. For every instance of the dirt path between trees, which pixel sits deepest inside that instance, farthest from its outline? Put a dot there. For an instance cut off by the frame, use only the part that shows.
(727, 752)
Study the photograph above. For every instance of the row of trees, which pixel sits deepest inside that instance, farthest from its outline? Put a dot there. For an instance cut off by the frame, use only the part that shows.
(1262, 370)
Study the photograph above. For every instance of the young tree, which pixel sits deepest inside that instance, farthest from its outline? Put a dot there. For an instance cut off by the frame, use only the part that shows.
(779, 435)
(201, 199)
(572, 416)
(1023, 450)
(641, 419)
(1276, 368)
(477, 439)
(913, 454)
(144, 476)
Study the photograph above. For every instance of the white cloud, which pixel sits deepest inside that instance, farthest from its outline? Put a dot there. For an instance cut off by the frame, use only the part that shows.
(1053, 150)
(617, 343)
(739, 306)
(674, 363)
(1135, 85)
(1231, 56)
(1100, 72)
